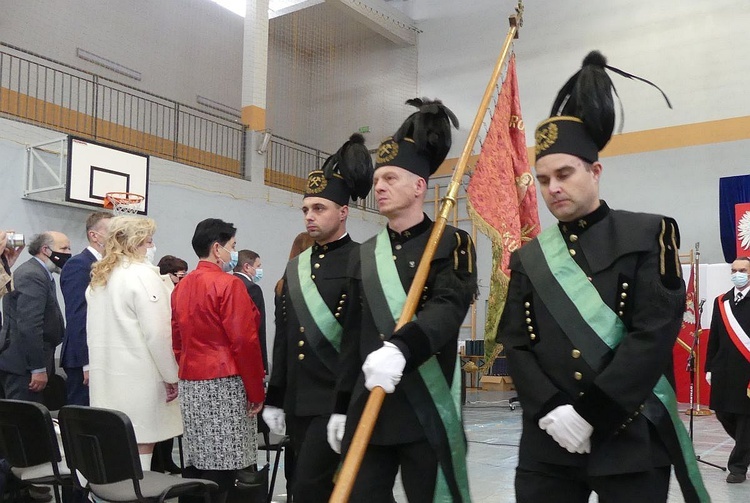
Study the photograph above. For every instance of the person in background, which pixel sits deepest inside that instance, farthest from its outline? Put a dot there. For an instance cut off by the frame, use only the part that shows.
(728, 367)
(33, 324)
(249, 270)
(131, 365)
(215, 341)
(8, 257)
(174, 268)
(74, 279)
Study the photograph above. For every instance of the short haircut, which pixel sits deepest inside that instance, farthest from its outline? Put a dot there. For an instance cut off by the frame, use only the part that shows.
(745, 258)
(40, 241)
(210, 231)
(246, 257)
(95, 218)
(169, 264)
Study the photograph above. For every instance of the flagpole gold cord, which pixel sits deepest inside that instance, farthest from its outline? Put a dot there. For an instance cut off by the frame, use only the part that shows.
(363, 433)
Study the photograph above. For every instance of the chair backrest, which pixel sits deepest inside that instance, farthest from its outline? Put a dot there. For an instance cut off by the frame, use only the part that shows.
(100, 443)
(27, 435)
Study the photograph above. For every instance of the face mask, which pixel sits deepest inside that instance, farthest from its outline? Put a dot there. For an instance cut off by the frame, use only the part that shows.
(234, 257)
(258, 275)
(739, 279)
(59, 258)
(151, 254)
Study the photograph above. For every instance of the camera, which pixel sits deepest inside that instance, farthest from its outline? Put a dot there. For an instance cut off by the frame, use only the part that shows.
(15, 240)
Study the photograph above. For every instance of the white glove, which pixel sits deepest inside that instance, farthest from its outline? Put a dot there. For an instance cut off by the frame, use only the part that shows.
(335, 431)
(708, 377)
(568, 428)
(384, 367)
(275, 419)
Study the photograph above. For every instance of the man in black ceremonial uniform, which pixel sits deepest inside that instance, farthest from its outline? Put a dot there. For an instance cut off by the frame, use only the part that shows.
(728, 367)
(593, 310)
(313, 304)
(419, 429)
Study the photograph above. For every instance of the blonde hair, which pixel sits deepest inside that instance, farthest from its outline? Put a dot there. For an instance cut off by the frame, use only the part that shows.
(126, 234)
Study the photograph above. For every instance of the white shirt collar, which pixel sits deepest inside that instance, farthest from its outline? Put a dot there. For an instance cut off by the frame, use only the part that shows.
(94, 252)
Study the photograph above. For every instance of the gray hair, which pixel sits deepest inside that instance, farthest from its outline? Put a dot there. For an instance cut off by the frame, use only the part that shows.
(40, 241)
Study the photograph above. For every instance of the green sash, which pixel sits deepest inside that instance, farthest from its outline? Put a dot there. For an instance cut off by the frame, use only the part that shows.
(590, 315)
(386, 297)
(312, 311)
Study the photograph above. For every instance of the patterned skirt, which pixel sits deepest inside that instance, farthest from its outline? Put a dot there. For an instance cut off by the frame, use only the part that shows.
(219, 435)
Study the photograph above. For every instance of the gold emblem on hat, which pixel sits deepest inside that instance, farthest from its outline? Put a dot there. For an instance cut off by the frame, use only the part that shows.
(545, 137)
(387, 152)
(316, 183)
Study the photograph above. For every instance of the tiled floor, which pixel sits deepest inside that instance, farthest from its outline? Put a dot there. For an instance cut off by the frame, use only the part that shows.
(493, 431)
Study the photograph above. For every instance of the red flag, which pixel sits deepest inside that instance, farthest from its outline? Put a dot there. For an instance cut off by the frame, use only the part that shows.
(742, 219)
(683, 346)
(502, 196)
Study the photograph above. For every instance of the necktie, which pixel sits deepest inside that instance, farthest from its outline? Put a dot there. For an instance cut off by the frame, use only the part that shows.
(738, 298)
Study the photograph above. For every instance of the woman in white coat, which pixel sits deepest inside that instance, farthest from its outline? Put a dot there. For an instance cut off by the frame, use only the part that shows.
(131, 364)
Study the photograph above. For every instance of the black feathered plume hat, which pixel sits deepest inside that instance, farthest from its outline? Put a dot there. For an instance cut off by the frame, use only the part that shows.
(583, 115)
(345, 175)
(422, 142)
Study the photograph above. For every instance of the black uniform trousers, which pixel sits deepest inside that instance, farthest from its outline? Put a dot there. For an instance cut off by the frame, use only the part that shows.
(569, 484)
(316, 463)
(377, 474)
(738, 427)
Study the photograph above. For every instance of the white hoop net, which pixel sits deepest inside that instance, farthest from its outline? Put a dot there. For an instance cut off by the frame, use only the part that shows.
(124, 203)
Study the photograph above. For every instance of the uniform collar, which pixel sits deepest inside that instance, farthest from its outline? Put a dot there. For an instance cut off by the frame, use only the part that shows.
(411, 232)
(581, 225)
(329, 247)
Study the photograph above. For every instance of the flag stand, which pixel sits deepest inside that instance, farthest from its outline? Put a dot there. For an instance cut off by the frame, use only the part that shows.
(353, 460)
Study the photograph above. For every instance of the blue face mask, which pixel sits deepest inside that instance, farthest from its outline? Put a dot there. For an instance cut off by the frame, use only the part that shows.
(258, 275)
(739, 279)
(234, 257)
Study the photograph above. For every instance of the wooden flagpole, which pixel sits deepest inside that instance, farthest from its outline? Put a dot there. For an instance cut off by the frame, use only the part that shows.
(363, 433)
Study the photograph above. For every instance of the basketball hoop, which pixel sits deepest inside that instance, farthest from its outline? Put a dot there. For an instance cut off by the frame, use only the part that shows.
(123, 203)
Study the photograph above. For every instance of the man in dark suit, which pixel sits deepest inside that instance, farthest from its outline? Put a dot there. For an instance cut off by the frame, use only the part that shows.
(248, 269)
(33, 324)
(593, 310)
(310, 312)
(728, 367)
(74, 279)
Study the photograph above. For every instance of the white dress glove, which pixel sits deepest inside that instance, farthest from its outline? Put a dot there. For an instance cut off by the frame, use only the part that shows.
(275, 419)
(384, 367)
(568, 428)
(708, 377)
(335, 431)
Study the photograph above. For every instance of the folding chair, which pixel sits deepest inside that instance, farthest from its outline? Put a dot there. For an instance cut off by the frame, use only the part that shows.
(29, 444)
(101, 445)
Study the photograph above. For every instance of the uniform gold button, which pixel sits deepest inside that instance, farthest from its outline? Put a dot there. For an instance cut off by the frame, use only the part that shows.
(312, 276)
(425, 289)
(575, 353)
(343, 295)
(337, 315)
(394, 257)
(572, 252)
(339, 308)
(527, 313)
(424, 297)
(622, 304)
(341, 302)
(300, 357)
(532, 337)
(580, 393)
(398, 247)
(642, 406)
(317, 266)
(573, 238)
(321, 255)
(619, 313)
(625, 286)
(302, 330)
(528, 321)
(301, 343)
(530, 328)
(526, 304)
(382, 337)
(577, 376)
(630, 420)
(589, 278)
(622, 427)
(624, 295)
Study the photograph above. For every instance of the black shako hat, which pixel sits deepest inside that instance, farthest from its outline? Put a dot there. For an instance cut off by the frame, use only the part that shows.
(345, 175)
(422, 142)
(583, 115)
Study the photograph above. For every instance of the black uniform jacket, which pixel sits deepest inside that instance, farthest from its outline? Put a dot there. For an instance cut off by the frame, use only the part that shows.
(632, 260)
(730, 371)
(449, 291)
(300, 382)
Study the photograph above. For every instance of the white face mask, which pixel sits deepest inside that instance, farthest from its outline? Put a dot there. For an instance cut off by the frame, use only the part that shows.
(151, 254)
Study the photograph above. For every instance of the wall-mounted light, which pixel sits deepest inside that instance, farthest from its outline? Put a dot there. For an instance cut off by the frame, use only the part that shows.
(108, 64)
(264, 141)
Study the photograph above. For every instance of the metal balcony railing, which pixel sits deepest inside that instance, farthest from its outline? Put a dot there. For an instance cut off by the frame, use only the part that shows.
(52, 94)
